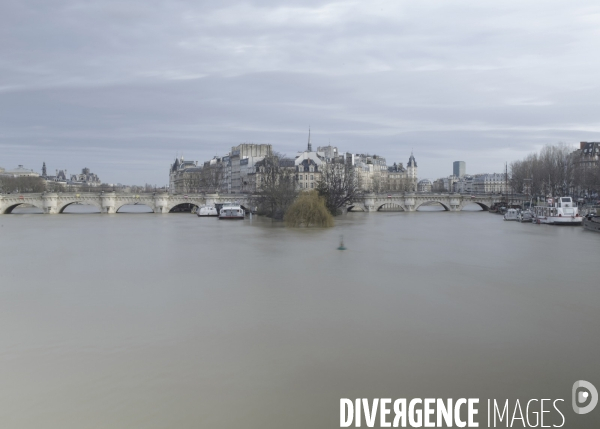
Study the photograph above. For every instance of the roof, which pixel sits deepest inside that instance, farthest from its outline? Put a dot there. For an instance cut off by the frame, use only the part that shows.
(412, 162)
(306, 164)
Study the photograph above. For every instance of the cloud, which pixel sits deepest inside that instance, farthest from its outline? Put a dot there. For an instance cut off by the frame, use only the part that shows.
(95, 81)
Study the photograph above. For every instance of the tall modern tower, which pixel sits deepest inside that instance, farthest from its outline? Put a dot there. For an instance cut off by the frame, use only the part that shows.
(459, 168)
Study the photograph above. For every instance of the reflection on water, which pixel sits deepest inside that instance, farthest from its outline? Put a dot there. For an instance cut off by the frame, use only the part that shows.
(162, 321)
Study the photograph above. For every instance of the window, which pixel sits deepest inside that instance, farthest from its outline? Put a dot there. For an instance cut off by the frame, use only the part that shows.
(312, 185)
(311, 177)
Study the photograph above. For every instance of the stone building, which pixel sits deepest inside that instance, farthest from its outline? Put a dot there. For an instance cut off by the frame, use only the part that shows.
(242, 159)
(255, 179)
(371, 171)
(397, 178)
(411, 168)
(494, 183)
(587, 156)
(20, 171)
(464, 185)
(86, 178)
(308, 174)
(424, 185)
(444, 184)
(184, 176)
(330, 153)
(309, 165)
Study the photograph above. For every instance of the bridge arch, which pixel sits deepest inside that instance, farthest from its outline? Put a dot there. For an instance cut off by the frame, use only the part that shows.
(431, 202)
(390, 207)
(356, 208)
(13, 206)
(132, 203)
(182, 206)
(483, 206)
(63, 205)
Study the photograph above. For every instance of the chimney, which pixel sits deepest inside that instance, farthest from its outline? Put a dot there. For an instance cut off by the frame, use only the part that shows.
(582, 145)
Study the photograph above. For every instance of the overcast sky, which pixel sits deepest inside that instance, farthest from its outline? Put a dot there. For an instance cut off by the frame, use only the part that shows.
(123, 86)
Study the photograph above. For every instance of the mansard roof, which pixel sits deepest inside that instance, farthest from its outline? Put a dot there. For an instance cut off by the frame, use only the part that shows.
(396, 168)
(306, 164)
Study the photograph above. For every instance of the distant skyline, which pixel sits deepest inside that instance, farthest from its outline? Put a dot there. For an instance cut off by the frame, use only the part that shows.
(123, 87)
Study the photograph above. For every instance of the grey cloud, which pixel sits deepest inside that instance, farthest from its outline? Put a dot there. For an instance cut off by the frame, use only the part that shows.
(129, 84)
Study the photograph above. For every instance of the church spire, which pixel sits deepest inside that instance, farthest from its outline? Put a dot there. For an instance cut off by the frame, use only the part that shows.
(309, 145)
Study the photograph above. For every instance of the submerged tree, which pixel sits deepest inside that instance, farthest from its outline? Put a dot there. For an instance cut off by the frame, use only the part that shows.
(338, 186)
(308, 210)
(276, 186)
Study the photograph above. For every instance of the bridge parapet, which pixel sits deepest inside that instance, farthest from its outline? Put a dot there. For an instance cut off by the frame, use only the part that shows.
(110, 202)
(411, 201)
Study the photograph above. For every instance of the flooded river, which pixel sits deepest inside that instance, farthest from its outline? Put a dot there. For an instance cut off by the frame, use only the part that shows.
(147, 321)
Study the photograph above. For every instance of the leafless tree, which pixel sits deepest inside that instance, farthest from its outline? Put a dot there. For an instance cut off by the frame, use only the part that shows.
(551, 172)
(22, 184)
(338, 185)
(211, 178)
(192, 181)
(277, 188)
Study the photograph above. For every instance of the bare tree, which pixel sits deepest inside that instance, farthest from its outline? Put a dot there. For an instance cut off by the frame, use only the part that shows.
(192, 181)
(211, 178)
(277, 187)
(10, 184)
(338, 185)
(551, 172)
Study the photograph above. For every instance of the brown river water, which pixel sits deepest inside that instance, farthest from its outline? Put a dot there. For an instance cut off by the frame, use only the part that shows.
(139, 320)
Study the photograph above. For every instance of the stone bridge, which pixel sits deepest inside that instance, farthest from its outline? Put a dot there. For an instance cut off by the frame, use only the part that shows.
(111, 202)
(410, 201)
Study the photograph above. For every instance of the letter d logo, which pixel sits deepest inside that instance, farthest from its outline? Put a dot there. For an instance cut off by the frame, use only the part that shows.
(581, 397)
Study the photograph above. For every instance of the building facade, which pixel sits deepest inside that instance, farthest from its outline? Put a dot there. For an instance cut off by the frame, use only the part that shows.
(494, 183)
(20, 171)
(184, 176)
(85, 178)
(424, 185)
(459, 168)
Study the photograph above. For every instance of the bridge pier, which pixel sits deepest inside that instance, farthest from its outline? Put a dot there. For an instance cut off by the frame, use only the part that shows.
(455, 204)
(369, 202)
(108, 203)
(161, 203)
(50, 203)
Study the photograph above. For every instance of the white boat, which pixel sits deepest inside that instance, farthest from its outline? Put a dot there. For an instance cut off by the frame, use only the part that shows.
(525, 216)
(592, 222)
(511, 214)
(231, 211)
(206, 211)
(559, 211)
